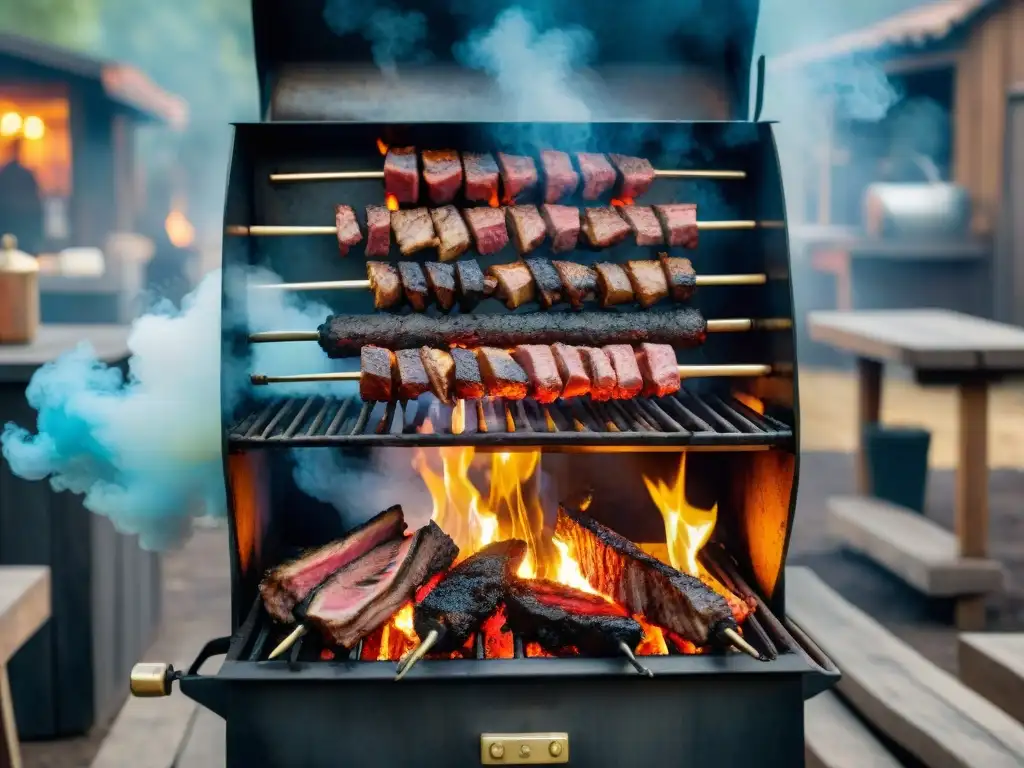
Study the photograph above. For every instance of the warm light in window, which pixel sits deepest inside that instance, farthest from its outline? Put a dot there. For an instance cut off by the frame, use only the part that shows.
(33, 128)
(10, 124)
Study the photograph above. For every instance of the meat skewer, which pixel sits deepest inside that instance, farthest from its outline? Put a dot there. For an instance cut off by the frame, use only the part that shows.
(615, 566)
(458, 605)
(558, 618)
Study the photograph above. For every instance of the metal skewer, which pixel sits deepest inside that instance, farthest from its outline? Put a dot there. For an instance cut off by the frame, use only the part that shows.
(278, 230)
(278, 178)
(297, 634)
(421, 650)
(736, 641)
(346, 285)
(685, 371)
(628, 653)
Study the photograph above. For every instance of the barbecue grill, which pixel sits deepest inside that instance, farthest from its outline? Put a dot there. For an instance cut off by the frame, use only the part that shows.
(732, 427)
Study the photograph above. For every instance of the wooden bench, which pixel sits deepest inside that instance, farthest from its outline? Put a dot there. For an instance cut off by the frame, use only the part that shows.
(927, 711)
(942, 347)
(24, 608)
(835, 738)
(993, 665)
(909, 545)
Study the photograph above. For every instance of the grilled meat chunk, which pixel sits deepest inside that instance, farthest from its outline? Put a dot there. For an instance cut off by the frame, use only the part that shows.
(384, 283)
(643, 584)
(659, 369)
(563, 222)
(526, 225)
(546, 279)
(603, 227)
(679, 223)
(347, 227)
(600, 372)
(488, 228)
(376, 366)
(481, 177)
(401, 174)
(563, 620)
(613, 284)
(451, 230)
(344, 335)
(442, 173)
(284, 587)
(414, 283)
(682, 280)
(637, 174)
(578, 280)
(469, 384)
(411, 375)
(629, 382)
(503, 377)
(378, 231)
(440, 368)
(541, 370)
(648, 281)
(573, 373)
(644, 223)
(441, 279)
(515, 283)
(470, 280)
(365, 594)
(414, 230)
(468, 595)
(598, 174)
(518, 174)
(560, 178)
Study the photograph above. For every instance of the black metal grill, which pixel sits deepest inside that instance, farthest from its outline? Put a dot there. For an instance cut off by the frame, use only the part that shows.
(684, 419)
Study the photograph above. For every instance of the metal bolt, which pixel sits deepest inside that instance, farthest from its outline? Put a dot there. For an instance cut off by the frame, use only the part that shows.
(497, 751)
(524, 751)
(555, 748)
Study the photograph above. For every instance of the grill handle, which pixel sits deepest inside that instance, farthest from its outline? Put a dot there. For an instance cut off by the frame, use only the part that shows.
(207, 689)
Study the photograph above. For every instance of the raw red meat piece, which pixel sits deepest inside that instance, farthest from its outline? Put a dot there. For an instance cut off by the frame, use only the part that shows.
(542, 371)
(598, 174)
(659, 369)
(600, 372)
(347, 228)
(401, 174)
(629, 383)
(481, 176)
(637, 174)
(518, 174)
(560, 178)
(442, 171)
(488, 228)
(563, 226)
(575, 381)
(644, 224)
(679, 223)
(378, 231)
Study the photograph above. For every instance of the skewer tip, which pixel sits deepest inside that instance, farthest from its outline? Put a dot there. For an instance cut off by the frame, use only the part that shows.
(288, 642)
(735, 639)
(628, 653)
(422, 650)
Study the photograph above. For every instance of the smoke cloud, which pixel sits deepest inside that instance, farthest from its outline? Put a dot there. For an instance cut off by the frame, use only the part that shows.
(396, 36)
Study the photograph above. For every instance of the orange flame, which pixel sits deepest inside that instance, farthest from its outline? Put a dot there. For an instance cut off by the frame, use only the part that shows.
(619, 202)
(753, 403)
(391, 202)
(494, 202)
(382, 147)
(179, 229)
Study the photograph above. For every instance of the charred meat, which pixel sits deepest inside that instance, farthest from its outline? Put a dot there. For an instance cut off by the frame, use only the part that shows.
(470, 280)
(542, 371)
(375, 374)
(527, 226)
(366, 593)
(441, 280)
(410, 374)
(451, 231)
(401, 174)
(614, 285)
(469, 384)
(644, 223)
(648, 281)
(385, 284)
(578, 280)
(442, 173)
(481, 177)
(659, 369)
(347, 227)
(344, 335)
(682, 280)
(518, 174)
(503, 376)
(515, 283)
(563, 222)
(679, 223)
(598, 174)
(575, 381)
(600, 372)
(414, 230)
(604, 227)
(629, 383)
(637, 174)
(378, 231)
(414, 284)
(488, 228)
(284, 587)
(440, 368)
(545, 278)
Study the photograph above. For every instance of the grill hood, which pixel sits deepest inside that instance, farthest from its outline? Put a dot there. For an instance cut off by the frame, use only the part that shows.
(651, 59)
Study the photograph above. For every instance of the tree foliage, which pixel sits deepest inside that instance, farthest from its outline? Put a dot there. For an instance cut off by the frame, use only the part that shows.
(71, 23)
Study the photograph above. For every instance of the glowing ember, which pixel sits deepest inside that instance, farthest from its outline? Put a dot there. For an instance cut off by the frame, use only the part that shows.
(494, 202)
(179, 229)
(753, 403)
(382, 147)
(391, 202)
(619, 202)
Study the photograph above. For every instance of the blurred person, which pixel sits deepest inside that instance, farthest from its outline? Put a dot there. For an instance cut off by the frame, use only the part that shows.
(21, 204)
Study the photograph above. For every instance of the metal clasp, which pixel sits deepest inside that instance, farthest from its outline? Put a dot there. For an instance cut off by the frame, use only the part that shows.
(524, 748)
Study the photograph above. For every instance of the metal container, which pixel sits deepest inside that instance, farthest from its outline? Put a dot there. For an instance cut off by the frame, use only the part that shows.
(19, 294)
(931, 211)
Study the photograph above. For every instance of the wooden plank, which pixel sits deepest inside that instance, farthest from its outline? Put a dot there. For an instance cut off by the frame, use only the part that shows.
(912, 547)
(24, 605)
(18, 363)
(835, 738)
(869, 411)
(919, 706)
(993, 665)
(972, 492)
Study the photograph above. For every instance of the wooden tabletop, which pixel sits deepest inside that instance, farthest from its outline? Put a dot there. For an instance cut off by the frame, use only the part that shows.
(925, 339)
(24, 605)
(19, 361)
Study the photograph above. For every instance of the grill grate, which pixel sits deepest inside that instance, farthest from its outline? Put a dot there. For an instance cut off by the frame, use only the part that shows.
(684, 419)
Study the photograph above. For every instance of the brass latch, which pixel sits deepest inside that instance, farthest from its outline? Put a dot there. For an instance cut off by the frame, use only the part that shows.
(524, 748)
(151, 680)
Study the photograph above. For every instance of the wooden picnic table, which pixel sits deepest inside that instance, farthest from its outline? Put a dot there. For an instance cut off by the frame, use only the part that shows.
(941, 347)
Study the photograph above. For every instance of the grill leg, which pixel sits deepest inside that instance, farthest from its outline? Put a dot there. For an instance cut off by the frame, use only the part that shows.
(869, 411)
